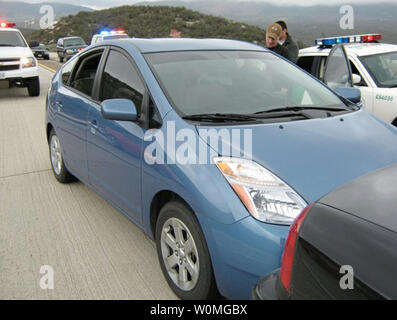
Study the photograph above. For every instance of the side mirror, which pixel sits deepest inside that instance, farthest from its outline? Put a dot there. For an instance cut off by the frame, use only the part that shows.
(356, 79)
(352, 94)
(119, 109)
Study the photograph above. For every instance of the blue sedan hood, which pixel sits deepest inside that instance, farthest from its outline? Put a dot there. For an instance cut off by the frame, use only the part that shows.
(316, 156)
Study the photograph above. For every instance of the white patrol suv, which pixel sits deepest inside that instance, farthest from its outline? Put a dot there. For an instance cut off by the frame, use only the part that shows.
(358, 61)
(18, 66)
(109, 35)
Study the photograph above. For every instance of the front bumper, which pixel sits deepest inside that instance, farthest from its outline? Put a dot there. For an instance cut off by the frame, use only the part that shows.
(20, 73)
(243, 252)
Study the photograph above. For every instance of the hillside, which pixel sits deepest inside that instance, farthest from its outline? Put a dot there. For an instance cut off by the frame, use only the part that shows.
(305, 23)
(151, 22)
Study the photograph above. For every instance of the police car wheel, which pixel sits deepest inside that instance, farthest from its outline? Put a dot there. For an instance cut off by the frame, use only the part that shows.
(34, 87)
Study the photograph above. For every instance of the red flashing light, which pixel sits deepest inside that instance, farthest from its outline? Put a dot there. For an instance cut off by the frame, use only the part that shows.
(6, 24)
(371, 37)
(289, 249)
(119, 31)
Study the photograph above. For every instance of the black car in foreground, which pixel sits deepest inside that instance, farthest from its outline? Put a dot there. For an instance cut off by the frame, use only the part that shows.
(342, 247)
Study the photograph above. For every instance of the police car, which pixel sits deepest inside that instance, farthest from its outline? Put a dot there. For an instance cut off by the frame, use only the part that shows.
(359, 61)
(18, 66)
(109, 35)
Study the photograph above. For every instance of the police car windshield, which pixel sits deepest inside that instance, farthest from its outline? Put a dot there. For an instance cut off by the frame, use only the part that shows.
(75, 42)
(11, 39)
(235, 82)
(383, 68)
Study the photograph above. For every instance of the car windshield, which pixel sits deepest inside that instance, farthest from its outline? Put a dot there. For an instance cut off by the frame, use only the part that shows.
(116, 36)
(11, 39)
(383, 68)
(238, 82)
(75, 42)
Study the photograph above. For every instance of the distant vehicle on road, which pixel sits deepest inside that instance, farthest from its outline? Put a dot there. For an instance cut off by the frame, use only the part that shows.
(18, 65)
(343, 246)
(109, 35)
(362, 62)
(39, 50)
(69, 46)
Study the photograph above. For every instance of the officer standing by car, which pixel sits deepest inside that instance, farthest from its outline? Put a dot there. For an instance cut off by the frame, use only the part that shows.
(273, 33)
(287, 42)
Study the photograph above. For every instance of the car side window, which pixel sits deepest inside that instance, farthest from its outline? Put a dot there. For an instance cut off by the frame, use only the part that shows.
(121, 80)
(84, 76)
(67, 71)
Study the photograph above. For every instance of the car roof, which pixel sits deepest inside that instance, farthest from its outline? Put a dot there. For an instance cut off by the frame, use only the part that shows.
(186, 44)
(73, 37)
(372, 197)
(10, 29)
(359, 49)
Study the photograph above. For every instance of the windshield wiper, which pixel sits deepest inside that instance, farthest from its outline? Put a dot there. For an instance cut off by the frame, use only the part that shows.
(220, 117)
(7, 45)
(300, 108)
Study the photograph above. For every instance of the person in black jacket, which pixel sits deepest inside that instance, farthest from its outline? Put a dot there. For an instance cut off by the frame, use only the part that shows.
(273, 33)
(287, 42)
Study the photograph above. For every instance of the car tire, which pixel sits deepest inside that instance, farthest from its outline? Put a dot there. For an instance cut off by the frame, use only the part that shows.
(61, 59)
(183, 255)
(34, 87)
(59, 169)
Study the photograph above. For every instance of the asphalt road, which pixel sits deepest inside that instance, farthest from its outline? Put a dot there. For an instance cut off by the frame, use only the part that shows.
(94, 251)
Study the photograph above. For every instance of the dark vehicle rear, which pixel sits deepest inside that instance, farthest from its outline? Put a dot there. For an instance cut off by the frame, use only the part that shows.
(343, 246)
(69, 46)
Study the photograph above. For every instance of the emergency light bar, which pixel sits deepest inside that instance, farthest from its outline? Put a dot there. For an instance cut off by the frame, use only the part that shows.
(362, 38)
(111, 32)
(4, 24)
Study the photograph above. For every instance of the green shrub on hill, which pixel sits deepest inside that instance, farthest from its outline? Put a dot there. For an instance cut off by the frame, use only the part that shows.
(150, 22)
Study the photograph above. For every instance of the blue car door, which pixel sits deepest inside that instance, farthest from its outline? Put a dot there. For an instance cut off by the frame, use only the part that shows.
(115, 148)
(72, 104)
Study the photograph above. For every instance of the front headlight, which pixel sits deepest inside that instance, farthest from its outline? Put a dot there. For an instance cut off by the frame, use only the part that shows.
(28, 62)
(266, 197)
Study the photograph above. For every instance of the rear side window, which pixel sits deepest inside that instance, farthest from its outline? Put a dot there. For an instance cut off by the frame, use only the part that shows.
(67, 71)
(306, 63)
(121, 80)
(84, 76)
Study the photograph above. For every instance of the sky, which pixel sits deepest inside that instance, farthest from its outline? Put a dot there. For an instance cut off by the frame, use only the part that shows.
(98, 4)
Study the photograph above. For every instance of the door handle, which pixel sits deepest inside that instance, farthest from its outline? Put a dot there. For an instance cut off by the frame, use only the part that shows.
(94, 126)
(58, 105)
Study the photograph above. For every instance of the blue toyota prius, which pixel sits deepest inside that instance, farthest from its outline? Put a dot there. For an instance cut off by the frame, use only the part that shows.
(212, 147)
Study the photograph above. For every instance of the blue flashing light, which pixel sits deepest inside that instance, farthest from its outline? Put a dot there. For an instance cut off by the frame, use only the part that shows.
(329, 42)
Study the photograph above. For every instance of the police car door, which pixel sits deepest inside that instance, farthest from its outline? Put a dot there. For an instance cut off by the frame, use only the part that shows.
(337, 73)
